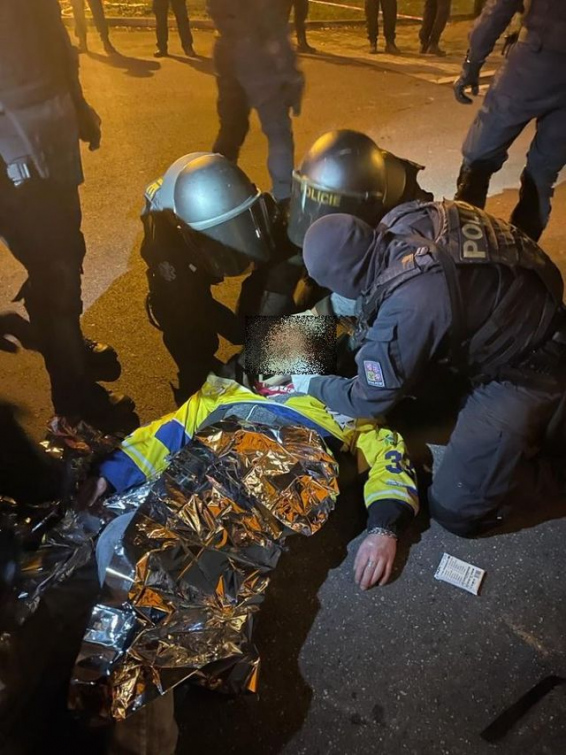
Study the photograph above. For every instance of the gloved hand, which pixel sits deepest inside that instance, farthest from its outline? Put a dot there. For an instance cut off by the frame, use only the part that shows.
(293, 92)
(301, 383)
(509, 41)
(469, 77)
(89, 125)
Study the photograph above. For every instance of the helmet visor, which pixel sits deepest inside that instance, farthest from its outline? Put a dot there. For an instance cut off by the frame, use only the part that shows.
(227, 249)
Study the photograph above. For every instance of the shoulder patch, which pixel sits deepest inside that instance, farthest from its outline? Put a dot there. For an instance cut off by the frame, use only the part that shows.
(374, 374)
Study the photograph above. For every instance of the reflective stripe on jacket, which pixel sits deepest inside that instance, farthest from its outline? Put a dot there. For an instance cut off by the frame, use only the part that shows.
(146, 452)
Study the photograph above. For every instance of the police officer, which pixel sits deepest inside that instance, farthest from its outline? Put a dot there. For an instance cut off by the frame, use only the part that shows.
(205, 220)
(42, 116)
(256, 68)
(531, 85)
(446, 282)
(97, 10)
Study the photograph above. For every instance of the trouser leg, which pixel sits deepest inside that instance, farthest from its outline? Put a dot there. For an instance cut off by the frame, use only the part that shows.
(372, 23)
(545, 160)
(78, 7)
(183, 24)
(180, 304)
(389, 11)
(493, 458)
(161, 9)
(41, 222)
(233, 110)
(152, 730)
(276, 125)
(429, 15)
(440, 20)
(486, 145)
(301, 12)
(100, 22)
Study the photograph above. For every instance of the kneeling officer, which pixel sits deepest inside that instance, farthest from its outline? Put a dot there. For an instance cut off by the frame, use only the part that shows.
(204, 220)
(446, 282)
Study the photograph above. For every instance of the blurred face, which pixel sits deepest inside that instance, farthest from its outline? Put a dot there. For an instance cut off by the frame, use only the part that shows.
(293, 345)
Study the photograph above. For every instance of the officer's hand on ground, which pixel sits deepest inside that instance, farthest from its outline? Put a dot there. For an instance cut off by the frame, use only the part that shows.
(89, 125)
(90, 492)
(469, 77)
(374, 560)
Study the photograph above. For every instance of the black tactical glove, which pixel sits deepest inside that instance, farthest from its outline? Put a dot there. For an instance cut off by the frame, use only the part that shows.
(509, 41)
(469, 77)
(89, 125)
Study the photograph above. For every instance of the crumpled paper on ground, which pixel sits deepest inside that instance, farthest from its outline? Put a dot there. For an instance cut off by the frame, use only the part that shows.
(192, 567)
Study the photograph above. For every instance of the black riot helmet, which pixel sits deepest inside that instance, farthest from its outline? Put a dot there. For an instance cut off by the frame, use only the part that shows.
(224, 218)
(345, 171)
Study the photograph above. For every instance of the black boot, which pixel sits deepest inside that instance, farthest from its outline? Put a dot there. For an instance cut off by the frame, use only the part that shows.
(303, 45)
(101, 362)
(391, 48)
(434, 49)
(109, 48)
(527, 214)
(472, 186)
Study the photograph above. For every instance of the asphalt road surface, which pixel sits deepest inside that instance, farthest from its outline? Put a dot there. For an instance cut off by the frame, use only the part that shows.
(416, 667)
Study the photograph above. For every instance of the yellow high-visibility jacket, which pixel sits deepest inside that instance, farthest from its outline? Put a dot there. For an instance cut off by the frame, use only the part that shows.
(391, 482)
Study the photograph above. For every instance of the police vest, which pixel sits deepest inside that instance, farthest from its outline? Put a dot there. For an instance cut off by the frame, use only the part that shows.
(469, 236)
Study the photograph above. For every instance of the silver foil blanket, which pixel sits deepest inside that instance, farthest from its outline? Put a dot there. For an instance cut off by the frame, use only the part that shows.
(69, 534)
(191, 568)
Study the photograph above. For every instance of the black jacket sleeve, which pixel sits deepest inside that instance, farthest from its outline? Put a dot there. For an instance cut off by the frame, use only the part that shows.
(495, 18)
(407, 334)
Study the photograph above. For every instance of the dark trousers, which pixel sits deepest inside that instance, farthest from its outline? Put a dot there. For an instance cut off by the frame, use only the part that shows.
(301, 12)
(181, 304)
(389, 12)
(40, 221)
(97, 10)
(436, 15)
(493, 459)
(161, 10)
(531, 85)
(234, 114)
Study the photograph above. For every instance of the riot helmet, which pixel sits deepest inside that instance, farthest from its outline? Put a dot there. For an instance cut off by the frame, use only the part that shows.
(223, 216)
(161, 193)
(345, 171)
